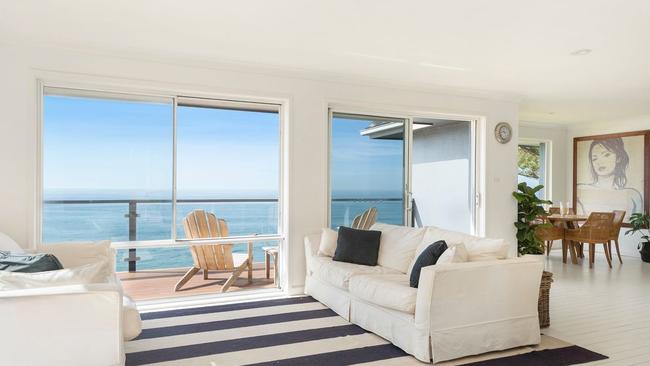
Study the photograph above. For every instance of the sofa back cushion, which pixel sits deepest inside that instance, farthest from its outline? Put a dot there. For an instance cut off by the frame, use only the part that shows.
(357, 246)
(398, 245)
(478, 249)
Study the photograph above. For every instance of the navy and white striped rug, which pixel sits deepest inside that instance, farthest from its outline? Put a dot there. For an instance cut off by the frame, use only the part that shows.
(290, 331)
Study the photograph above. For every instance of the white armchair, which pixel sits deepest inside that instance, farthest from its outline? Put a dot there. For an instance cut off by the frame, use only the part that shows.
(71, 324)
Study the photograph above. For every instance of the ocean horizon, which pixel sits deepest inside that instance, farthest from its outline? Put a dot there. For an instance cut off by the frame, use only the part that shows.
(106, 221)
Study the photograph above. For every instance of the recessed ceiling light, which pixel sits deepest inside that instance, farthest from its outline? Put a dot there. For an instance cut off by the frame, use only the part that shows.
(581, 52)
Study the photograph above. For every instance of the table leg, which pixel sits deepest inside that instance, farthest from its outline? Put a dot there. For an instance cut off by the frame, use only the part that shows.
(572, 249)
(565, 245)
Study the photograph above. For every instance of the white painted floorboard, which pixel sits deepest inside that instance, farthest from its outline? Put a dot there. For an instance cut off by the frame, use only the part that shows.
(604, 310)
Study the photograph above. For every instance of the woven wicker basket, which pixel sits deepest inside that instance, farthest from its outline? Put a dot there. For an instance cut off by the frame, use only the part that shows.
(543, 302)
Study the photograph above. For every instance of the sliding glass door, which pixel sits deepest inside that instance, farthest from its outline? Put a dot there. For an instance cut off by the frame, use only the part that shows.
(366, 168)
(131, 169)
(413, 171)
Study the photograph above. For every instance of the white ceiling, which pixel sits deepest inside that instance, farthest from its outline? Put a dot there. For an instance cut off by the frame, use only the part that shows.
(520, 47)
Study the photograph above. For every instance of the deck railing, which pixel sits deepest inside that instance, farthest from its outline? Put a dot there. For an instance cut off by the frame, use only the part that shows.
(133, 215)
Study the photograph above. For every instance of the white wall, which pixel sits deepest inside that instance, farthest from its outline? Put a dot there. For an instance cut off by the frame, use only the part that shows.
(441, 176)
(307, 97)
(557, 135)
(638, 123)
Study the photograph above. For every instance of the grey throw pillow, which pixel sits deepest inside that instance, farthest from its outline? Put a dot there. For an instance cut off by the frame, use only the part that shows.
(28, 263)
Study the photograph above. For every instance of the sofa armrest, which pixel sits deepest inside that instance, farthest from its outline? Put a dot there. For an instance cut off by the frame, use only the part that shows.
(63, 325)
(503, 288)
(467, 303)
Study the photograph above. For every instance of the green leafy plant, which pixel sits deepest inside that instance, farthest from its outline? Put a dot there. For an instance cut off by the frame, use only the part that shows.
(529, 210)
(640, 222)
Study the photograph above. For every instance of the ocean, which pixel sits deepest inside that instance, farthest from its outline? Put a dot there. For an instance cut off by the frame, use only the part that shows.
(107, 221)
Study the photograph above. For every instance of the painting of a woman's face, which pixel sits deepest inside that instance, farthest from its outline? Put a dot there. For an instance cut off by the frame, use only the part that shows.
(603, 161)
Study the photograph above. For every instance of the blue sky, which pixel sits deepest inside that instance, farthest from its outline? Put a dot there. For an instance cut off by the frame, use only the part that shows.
(100, 144)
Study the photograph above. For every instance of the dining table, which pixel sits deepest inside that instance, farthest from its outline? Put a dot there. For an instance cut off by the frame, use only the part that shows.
(569, 221)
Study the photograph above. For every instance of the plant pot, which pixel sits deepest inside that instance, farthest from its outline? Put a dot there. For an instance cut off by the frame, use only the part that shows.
(644, 249)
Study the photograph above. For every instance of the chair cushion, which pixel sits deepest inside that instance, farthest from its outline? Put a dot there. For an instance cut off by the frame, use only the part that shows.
(428, 257)
(328, 238)
(357, 246)
(338, 274)
(398, 245)
(388, 290)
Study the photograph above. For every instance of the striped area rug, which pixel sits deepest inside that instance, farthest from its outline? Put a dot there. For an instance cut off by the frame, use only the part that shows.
(290, 331)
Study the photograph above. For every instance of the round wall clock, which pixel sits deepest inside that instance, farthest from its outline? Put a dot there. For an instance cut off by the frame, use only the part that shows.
(503, 132)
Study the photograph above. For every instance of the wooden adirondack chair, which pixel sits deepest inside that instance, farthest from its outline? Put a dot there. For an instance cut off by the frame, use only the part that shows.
(199, 224)
(365, 220)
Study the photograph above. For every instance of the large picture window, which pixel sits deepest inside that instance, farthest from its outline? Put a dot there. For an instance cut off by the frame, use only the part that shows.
(130, 169)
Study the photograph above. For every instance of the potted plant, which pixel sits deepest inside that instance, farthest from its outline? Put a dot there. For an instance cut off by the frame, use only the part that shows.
(529, 210)
(641, 223)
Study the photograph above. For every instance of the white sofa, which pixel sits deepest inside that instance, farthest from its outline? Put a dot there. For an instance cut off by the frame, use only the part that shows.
(487, 303)
(73, 324)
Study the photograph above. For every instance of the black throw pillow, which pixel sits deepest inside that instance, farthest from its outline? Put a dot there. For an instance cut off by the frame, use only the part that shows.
(30, 263)
(357, 246)
(428, 257)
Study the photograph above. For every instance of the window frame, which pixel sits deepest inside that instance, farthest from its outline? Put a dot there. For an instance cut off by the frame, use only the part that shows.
(201, 99)
(548, 162)
(478, 127)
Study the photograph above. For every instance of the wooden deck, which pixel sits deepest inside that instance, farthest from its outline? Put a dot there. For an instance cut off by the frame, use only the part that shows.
(159, 283)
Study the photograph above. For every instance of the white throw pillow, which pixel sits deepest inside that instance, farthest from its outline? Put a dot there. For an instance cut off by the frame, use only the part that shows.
(82, 275)
(328, 238)
(8, 244)
(397, 245)
(75, 254)
(454, 254)
(486, 249)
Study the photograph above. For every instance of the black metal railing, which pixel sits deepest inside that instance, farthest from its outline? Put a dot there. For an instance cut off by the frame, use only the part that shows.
(133, 215)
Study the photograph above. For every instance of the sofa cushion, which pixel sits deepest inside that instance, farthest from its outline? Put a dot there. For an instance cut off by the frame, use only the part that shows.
(428, 257)
(398, 245)
(357, 246)
(338, 274)
(387, 290)
(328, 238)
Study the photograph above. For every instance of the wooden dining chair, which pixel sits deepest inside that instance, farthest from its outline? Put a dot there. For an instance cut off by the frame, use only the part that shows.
(596, 230)
(199, 224)
(365, 220)
(549, 233)
(619, 216)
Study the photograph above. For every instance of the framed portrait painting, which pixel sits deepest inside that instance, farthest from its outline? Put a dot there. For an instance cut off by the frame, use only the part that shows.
(611, 172)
